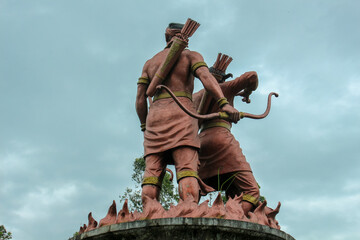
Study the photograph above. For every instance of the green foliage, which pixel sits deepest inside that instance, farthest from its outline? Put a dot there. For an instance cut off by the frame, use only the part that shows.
(220, 187)
(261, 198)
(224, 198)
(168, 193)
(213, 195)
(138, 170)
(134, 198)
(4, 235)
(231, 179)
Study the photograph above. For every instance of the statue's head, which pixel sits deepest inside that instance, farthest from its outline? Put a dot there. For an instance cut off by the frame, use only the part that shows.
(172, 29)
(219, 68)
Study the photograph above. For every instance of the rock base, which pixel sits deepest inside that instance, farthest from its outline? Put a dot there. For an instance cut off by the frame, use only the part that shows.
(185, 228)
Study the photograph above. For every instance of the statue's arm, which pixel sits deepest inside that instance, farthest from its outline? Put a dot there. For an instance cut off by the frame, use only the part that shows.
(212, 86)
(196, 98)
(141, 102)
(242, 86)
(247, 81)
(206, 78)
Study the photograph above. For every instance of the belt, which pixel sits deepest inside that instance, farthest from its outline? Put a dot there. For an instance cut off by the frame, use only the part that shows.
(167, 95)
(212, 124)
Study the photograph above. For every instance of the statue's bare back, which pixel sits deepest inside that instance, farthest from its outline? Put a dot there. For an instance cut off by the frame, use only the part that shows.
(180, 77)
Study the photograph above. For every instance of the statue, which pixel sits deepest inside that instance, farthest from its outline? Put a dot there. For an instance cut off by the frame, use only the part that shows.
(222, 162)
(204, 162)
(171, 135)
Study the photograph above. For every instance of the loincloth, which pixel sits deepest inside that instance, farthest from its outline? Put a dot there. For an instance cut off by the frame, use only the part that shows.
(167, 127)
(220, 153)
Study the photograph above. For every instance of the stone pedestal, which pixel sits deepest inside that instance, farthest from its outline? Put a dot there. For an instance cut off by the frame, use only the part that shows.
(185, 228)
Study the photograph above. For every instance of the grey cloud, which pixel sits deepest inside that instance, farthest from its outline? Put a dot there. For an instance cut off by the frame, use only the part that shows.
(69, 131)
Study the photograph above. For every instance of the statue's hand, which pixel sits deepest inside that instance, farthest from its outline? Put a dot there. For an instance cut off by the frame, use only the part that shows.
(245, 94)
(233, 113)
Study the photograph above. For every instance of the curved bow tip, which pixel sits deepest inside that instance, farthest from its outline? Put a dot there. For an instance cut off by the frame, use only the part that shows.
(171, 174)
(275, 94)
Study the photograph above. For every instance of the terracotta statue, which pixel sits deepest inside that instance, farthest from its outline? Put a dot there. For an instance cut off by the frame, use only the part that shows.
(170, 127)
(171, 135)
(223, 165)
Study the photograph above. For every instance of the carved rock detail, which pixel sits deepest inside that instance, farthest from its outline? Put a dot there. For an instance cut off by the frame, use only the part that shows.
(189, 208)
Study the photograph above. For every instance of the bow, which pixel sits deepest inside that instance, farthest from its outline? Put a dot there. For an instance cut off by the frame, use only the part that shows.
(218, 115)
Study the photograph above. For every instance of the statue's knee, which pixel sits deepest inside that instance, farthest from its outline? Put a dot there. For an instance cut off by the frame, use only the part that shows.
(253, 79)
(188, 182)
(251, 74)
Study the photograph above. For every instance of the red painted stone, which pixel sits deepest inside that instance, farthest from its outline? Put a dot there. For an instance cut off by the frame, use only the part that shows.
(92, 223)
(110, 218)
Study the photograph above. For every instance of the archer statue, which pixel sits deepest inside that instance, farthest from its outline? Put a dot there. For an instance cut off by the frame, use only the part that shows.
(171, 135)
(223, 165)
(204, 162)
(171, 124)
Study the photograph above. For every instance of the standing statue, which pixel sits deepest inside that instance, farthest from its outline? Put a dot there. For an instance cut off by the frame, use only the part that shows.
(170, 127)
(223, 165)
(171, 135)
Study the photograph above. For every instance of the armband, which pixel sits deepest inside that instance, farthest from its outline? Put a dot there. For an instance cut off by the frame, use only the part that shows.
(197, 65)
(143, 127)
(251, 199)
(186, 173)
(143, 80)
(222, 101)
(151, 181)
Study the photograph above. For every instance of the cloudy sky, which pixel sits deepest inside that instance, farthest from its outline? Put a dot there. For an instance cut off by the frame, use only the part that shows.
(69, 132)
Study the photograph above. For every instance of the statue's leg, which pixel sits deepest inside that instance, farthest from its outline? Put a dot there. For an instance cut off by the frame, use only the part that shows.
(245, 183)
(189, 189)
(249, 80)
(150, 192)
(153, 175)
(186, 161)
(252, 80)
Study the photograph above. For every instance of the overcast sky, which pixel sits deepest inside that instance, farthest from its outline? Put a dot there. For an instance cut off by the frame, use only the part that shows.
(69, 131)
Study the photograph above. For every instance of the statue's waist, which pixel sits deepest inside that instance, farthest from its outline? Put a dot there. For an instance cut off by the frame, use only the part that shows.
(167, 95)
(215, 123)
